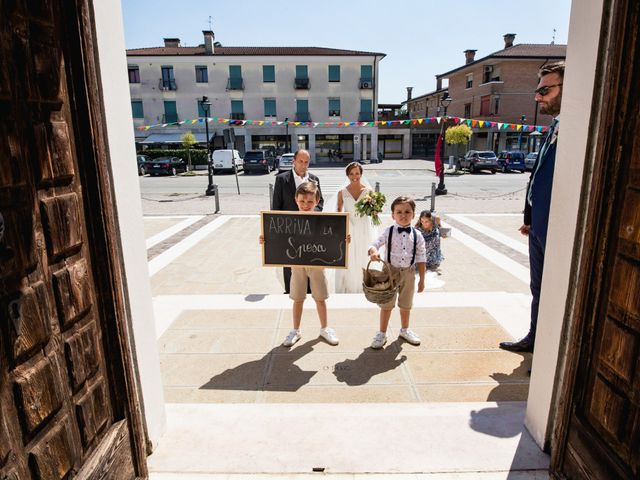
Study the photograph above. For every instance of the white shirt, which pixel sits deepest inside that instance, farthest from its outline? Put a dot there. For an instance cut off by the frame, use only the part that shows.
(402, 246)
(300, 180)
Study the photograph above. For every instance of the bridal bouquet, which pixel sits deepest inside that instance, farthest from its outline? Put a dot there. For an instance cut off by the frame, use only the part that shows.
(371, 206)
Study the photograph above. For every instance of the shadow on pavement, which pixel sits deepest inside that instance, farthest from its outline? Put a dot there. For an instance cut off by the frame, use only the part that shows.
(255, 375)
(369, 364)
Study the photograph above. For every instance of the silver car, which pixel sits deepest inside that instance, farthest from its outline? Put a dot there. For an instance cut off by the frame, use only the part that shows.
(476, 160)
(285, 163)
(530, 160)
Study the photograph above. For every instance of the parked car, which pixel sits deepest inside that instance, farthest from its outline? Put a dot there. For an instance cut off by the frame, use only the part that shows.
(530, 161)
(476, 160)
(511, 161)
(259, 161)
(285, 163)
(166, 166)
(223, 160)
(143, 160)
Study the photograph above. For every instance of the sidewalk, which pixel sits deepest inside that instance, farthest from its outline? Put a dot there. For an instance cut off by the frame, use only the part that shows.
(238, 403)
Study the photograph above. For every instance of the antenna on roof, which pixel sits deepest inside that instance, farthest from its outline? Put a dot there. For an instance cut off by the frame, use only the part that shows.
(553, 40)
(209, 22)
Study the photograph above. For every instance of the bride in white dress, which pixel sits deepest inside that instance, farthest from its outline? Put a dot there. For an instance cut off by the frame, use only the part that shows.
(362, 231)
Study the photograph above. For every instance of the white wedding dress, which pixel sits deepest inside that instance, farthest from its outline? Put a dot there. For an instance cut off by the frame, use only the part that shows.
(363, 233)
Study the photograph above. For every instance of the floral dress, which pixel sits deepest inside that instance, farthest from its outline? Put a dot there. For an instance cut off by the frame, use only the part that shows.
(432, 244)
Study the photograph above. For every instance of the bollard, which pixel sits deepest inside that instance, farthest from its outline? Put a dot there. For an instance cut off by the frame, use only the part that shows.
(215, 192)
(377, 186)
(271, 196)
(433, 197)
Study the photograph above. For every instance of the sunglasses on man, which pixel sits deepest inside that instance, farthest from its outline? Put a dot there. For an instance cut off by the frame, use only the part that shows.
(542, 91)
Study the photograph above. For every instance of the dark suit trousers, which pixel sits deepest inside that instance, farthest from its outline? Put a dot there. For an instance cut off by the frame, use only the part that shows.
(536, 262)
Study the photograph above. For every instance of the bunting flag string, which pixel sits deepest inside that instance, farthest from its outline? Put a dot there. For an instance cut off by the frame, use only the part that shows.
(471, 122)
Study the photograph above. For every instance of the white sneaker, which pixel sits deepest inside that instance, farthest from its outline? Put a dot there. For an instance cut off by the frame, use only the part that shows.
(329, 334)
(379, 340)
(293, 337)
(410, 336)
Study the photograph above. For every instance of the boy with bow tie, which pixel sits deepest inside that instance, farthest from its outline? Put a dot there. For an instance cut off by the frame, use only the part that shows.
(405, 250)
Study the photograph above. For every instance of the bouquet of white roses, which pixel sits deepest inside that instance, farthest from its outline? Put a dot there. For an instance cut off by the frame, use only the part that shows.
(371, 206)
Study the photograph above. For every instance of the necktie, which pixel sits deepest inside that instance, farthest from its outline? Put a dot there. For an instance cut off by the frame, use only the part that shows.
(404, 230)
(543, 151)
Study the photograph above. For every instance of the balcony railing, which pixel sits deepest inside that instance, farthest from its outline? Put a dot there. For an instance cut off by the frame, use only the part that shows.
(334, 113)
(237, 116)
(167, 85)
(235, 84)
(301, 83)
(365, 117)
(303, 117)
(366, 83)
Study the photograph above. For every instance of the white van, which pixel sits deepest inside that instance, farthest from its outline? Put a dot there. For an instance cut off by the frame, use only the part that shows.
(223, 160)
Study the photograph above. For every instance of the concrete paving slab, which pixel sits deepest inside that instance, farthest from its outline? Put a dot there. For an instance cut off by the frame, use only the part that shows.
(350, 438)
(448, 367)
(505, 224)
(221, 340)
(468, 392)
(216, 319)
(528, 475)
(355, 394)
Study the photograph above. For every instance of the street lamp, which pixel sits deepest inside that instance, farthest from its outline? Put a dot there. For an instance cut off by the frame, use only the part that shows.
(523, 119)
(206, 105)
(444, 102)
(286, 126)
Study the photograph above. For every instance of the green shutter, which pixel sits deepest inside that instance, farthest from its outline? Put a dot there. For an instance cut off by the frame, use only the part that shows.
(302, 106)
(236, 106)
(269, 108)
(334, 107)
(268, 73)
(301, 71)
(136, 109)
(334, 73)
(366, 73)
(170, 112)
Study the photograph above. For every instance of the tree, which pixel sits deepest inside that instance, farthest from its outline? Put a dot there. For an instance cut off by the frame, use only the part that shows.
(188, 140)
(458, 135)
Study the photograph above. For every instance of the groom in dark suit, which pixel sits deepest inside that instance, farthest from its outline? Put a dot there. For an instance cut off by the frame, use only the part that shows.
(285, 190)
(538, 198)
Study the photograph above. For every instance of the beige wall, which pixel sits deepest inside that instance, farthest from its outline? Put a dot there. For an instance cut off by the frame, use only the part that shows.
(565, 207)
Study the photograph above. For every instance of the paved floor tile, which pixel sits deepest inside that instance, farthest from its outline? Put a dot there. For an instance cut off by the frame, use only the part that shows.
(467, 392)
(155, 225)
(354, 394)
(215, 319)
(221, 340)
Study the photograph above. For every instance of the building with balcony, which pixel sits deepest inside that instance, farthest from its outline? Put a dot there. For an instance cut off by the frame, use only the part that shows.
(258, 85)
(498, 87)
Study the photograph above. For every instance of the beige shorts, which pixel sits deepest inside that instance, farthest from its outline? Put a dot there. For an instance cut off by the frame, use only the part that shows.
(317, 280)
(406, 278)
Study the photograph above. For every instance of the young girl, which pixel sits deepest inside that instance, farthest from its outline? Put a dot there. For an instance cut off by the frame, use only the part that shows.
(431, 234)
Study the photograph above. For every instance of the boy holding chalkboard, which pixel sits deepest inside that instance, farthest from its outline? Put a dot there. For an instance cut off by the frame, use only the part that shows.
(405, 251)
(307, 197)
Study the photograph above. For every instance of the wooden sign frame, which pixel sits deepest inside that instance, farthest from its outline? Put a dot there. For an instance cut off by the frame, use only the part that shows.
(326, 214)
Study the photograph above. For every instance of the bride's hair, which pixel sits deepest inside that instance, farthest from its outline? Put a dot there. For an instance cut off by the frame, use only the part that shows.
(353, 165)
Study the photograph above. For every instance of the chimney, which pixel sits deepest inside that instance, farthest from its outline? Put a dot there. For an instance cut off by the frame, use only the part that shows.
(438, 83)
(409, 89)
(470, 55)
(171, 42)
(508, 39)
(208, 41)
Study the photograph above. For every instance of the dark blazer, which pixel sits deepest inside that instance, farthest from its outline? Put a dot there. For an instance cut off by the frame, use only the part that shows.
(537, 214)
(284, 192)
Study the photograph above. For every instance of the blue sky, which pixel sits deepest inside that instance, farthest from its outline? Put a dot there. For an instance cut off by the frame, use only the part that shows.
(420, 37)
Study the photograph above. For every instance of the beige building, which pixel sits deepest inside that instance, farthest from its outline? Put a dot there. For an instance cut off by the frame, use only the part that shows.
(257, 84)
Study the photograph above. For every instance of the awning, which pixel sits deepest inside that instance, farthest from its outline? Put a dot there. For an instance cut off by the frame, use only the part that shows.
(174, 137)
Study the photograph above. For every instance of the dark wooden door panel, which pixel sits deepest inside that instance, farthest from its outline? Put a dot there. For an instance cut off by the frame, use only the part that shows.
(60, 414)
(598, 430)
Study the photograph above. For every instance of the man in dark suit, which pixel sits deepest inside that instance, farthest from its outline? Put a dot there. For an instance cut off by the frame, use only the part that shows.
(538, 198)
(285, 189)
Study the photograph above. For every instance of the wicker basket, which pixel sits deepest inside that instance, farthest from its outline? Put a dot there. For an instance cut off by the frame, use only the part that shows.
(379, 286)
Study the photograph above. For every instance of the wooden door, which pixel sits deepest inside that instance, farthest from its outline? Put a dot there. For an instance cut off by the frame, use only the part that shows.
(67, 395)
(597, 433)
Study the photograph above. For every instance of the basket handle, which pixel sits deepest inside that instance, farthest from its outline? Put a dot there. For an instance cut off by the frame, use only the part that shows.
(384, 265)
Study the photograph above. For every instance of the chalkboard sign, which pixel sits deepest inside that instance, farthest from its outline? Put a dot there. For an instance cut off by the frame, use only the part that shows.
(310, 239)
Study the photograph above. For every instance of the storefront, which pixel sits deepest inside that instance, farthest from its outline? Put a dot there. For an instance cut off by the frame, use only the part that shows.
(334, 148)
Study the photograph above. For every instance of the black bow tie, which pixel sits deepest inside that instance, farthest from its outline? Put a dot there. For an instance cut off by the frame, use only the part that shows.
(404, 230)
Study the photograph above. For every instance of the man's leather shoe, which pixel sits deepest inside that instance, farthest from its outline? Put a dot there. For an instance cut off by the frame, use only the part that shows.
(524, 345)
